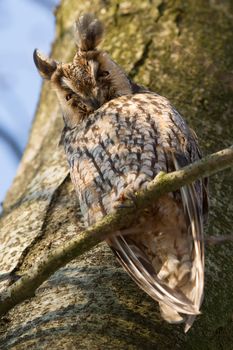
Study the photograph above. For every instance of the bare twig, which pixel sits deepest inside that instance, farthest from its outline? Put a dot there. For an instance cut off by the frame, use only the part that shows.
(213, 240)
(25, 287)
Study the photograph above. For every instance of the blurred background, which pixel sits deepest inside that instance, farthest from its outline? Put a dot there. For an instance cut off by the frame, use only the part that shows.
(24, 26)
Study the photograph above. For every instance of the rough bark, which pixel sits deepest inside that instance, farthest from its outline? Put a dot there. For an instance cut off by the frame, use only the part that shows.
(180, 49)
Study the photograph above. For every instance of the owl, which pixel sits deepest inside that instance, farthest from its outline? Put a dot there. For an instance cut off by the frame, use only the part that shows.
(118, 136)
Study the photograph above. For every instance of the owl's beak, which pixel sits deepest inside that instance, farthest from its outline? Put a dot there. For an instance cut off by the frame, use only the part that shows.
(94, 103)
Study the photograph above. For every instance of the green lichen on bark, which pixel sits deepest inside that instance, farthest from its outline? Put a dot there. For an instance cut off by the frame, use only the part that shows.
(182, 50)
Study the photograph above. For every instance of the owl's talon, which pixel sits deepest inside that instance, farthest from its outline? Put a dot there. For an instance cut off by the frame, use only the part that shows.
(132, 197)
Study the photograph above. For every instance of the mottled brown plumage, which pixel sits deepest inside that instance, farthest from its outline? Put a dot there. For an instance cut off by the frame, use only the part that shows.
(118, 136)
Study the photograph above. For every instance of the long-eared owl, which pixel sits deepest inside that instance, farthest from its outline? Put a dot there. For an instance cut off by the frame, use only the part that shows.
(118, 136)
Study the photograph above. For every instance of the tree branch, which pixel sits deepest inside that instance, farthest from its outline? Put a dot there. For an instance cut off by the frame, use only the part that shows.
(25, 287)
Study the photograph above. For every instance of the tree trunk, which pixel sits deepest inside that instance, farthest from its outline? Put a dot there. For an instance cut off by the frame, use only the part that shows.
(182, 50)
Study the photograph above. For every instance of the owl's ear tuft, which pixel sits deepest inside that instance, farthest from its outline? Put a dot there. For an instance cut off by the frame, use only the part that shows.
(88, 32)
(45, 65)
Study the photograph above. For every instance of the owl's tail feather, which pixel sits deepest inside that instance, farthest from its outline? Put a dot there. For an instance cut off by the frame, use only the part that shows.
(176, 305)
(141, 270)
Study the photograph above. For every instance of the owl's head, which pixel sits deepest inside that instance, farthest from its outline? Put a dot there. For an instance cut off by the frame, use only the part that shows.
(92, 79)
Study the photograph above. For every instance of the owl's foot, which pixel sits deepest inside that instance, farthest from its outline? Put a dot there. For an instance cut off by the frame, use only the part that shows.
(127, 199)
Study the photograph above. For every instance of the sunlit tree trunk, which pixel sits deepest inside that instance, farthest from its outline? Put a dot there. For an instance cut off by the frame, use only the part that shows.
(180, 49)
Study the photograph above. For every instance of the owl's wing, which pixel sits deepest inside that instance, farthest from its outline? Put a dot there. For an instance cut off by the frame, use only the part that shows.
(194, 213)
(142, 272)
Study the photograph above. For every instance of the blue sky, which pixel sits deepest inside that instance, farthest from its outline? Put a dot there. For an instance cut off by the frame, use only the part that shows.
(24, 26)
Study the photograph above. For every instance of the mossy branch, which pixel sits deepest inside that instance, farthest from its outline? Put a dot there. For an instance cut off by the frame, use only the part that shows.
(26, 286)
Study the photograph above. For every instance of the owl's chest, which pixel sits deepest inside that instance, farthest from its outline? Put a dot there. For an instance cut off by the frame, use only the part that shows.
(116, 149)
